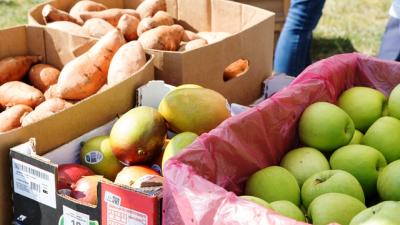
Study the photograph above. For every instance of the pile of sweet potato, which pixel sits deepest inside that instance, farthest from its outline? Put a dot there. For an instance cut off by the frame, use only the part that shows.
(149, 23)
(30, 91)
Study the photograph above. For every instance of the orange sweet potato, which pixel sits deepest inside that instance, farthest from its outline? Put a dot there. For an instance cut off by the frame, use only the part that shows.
(162, 38)
(15, 68)
(42, 76)
(128, 25)
(97, 27)
(52, 14)
(235, 69)
(16, 92)
(85, 6)
(160, 18)
(190, 36)
(110, 15)
(11, 117)
(198, 43)
(84, 75)
(68, 27)
(51, 92)
(45, 109)
(149, 8)
(128, 59)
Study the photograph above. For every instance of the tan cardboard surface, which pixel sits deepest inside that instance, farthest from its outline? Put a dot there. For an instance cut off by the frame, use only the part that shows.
(71, 123)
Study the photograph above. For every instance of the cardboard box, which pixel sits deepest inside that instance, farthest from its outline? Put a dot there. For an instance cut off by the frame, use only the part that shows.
(34, 179)
(36, 200)
(252, 38)
(58, 48)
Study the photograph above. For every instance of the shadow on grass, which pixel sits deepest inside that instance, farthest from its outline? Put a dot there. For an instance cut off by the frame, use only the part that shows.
(326, 47)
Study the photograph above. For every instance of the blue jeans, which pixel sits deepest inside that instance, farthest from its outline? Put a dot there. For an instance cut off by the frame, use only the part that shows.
(390, 46)
(292, 52)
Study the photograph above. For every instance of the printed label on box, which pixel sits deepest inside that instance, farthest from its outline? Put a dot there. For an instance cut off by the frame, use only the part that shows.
(72, 217)
(112, 198)
(34, 183)
(119, 215)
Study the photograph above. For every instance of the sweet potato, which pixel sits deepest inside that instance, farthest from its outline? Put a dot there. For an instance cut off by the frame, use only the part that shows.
(85, 6)
(11, 117)
(213, 37)
(84, 75)
(42, 76)
(128, 59)
(162, 38)
(15, 68)
(198, 43)
(110, 15)
(16, 92)
(51, 92)
(235, 69)
(160, 18)
(128, 25)
(149, 8)
(46, 109)
(52, 14)
(190, 36)
(97, 27)
(68, 27)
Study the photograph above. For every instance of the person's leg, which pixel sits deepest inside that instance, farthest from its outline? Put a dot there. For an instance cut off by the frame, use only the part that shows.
(293, 48)
(390, 45)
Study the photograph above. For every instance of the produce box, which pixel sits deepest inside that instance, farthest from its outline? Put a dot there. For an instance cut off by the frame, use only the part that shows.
(36, 200)
(251, 39)
(205, 191)
(58, 48)
(280, 7)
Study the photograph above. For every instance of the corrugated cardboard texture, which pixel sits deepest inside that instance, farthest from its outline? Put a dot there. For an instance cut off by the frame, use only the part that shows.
(71, 123)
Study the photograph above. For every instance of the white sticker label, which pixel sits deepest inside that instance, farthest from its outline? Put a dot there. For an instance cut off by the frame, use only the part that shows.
(112, 198)
(72, 217)
(117, 215)
(34, 183)
(93, 157)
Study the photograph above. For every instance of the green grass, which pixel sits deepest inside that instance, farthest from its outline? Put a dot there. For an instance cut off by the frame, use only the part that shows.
(350, 25)
(346, 25)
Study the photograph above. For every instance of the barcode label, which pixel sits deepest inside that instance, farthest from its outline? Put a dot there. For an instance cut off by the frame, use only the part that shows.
(32, 171)
(34, 183)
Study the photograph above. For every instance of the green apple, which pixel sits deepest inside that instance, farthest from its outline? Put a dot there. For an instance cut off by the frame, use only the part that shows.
(272, 184)
(334, 208)
(357, 137)
(288, 209)
(384, 213)
(384, 135)
(330, 181)
(363, 104)
(388, 184)
(304, 162)
(363, 162)
(394, 102)
(177, 144)
(325, 126)
(96, 153)
(256, 200)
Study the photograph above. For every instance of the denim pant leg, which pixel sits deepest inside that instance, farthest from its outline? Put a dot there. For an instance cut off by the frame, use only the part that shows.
(390, 46)
(292, 52)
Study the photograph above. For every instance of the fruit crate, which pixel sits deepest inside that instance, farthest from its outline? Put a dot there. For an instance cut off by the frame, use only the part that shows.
(259, 138)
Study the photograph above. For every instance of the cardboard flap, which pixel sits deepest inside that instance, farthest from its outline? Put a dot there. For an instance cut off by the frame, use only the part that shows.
(62, 47)
(9, 37)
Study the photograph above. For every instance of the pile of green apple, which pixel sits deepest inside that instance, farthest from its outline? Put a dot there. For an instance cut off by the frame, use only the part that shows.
(349, 160)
